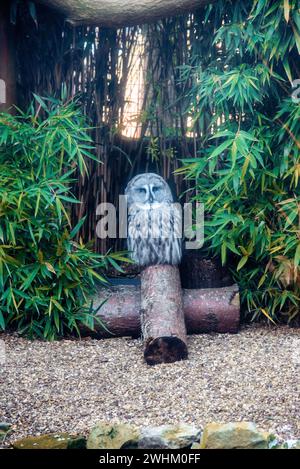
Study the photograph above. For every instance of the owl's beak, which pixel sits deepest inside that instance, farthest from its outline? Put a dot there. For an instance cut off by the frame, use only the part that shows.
(151, 198)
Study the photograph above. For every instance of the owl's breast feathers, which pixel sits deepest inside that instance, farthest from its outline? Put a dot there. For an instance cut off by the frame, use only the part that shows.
(155, 233)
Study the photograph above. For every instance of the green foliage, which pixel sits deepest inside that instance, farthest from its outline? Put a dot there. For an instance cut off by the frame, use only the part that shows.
(45, 274)
(248, 171)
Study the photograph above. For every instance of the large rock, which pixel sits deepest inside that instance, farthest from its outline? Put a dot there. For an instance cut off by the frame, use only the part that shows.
(294, 445)
(239, 435)
(113, 436)
(51, 441)
(169, 436)
(290, 444)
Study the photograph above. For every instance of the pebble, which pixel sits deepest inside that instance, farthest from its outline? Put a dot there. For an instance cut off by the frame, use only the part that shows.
(70, 385)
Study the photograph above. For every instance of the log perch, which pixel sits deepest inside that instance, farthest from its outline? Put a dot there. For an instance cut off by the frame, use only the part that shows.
(162, 316)
(206, 310)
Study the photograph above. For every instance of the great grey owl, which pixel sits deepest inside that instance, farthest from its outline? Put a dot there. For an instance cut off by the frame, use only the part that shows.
(154, 221)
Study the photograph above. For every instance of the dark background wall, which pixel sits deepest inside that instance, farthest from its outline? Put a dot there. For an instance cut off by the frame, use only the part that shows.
(95, 63)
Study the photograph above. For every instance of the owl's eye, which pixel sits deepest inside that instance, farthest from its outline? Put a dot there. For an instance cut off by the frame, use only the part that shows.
(141, 190)
(156, 188)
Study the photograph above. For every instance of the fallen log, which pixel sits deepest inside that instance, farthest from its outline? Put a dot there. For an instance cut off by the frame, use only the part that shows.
(206, 310)
(162, 316)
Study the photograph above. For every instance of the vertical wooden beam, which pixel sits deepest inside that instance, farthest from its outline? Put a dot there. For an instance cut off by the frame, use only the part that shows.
(7, 59)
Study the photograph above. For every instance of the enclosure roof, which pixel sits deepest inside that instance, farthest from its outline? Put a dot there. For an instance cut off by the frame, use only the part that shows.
(121, 13)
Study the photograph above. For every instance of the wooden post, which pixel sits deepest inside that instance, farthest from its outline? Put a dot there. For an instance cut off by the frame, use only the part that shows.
(7, 60)
(162, 317)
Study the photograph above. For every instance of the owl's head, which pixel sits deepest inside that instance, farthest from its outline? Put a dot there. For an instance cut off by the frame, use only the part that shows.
(148, 188)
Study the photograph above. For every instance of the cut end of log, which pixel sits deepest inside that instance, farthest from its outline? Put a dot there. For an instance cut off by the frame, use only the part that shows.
(165, 350)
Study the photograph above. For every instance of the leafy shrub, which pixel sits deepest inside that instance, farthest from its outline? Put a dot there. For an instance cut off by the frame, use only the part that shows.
(247, 174)
(45, 275)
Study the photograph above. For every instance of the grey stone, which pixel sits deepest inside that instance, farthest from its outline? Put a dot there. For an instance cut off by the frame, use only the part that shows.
(238, 435)
(169, 436)
(5, 426)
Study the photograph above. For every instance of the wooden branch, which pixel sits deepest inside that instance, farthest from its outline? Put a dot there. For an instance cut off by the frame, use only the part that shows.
(162, 317)
(206, 310)
(116, 13)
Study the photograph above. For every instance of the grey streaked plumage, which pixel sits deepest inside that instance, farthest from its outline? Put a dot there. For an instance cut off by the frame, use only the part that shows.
(154, 221)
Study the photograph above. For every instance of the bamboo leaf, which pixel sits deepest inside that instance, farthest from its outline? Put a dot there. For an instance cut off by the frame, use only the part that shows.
(242, 262)
(57, 304)
(77, 227)
(217, 151)
(267, 315)
(297, 256)
(286, 7)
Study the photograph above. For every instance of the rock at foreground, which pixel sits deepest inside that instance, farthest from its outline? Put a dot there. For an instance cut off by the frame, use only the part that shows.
(239, 435)
(113, 436)
(51, 441)
(169, 437)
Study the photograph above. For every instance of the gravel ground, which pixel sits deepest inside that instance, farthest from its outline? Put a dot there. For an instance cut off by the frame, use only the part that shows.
(71, 384)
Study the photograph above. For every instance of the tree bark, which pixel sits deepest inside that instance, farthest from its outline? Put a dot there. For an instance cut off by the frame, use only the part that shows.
(7, 64)
(115, 13)
(198, 271)
(162, 317)
(206, 310)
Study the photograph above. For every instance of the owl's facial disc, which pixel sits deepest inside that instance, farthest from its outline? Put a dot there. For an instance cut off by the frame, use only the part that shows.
(141, 190)
(141, 194)
(156, 193)
(149, 189)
